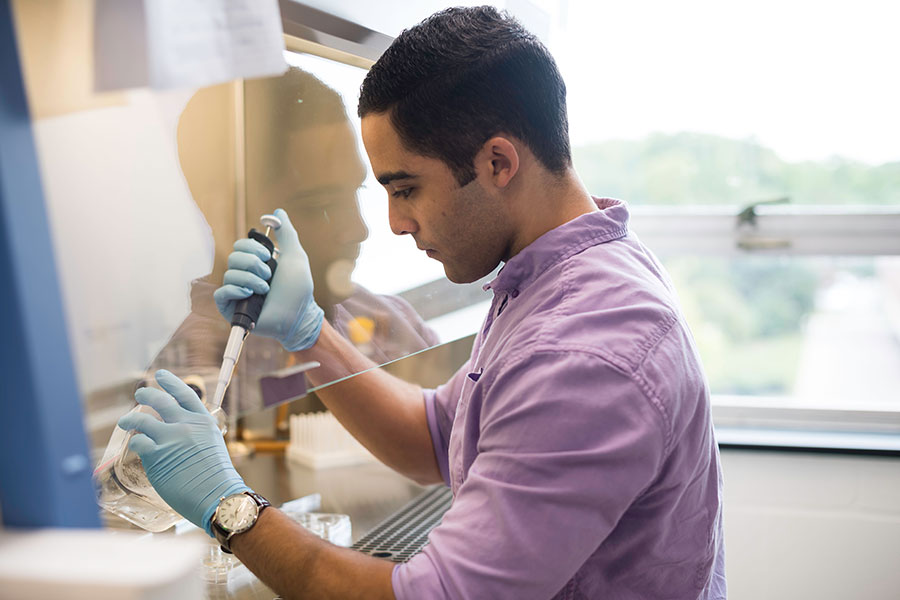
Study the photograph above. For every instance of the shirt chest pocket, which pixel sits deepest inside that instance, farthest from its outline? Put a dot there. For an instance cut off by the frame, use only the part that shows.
(465, 433)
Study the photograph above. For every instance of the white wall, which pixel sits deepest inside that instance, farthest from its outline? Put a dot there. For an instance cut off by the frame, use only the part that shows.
(817, 526)
(127, 236)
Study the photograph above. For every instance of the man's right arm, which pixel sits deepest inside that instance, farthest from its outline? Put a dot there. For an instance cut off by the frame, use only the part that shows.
(386, 414)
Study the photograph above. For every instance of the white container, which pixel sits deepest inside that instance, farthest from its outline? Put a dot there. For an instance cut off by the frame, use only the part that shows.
(319, 441)
(99, 565)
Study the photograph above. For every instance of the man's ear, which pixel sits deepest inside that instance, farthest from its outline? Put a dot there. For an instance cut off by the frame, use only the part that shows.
(499, 160)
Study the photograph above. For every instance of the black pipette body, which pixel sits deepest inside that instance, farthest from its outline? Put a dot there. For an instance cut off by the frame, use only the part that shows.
(246, 311)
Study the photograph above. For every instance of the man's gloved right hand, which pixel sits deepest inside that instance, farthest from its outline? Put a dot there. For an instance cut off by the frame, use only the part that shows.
(289, 314)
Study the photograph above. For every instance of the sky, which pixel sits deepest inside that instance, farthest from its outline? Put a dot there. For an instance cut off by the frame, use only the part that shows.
(808, 79)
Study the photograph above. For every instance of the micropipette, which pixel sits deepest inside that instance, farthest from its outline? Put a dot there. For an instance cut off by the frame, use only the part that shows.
(246, 312)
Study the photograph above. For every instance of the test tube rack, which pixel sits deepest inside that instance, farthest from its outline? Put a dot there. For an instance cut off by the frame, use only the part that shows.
(319, 441)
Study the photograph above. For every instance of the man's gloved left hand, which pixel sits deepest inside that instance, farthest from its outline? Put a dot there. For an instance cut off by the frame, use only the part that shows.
(185, 457)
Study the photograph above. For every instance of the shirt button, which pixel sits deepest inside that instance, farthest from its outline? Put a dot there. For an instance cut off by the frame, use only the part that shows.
(514, 293)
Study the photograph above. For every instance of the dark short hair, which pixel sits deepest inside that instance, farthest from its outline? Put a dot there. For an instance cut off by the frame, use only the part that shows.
(463, 75)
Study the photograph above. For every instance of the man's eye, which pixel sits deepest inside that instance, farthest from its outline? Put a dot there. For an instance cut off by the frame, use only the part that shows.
(404, 193)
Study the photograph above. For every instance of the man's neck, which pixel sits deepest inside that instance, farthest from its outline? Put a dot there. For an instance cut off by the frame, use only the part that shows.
(548, 202)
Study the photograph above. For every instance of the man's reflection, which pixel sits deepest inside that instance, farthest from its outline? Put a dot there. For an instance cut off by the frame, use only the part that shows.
(301, 155)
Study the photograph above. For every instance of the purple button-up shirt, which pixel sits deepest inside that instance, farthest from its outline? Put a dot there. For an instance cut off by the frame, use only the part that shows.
(577, 439)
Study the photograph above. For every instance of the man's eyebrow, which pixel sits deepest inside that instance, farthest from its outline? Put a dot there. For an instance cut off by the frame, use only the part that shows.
(386, 178)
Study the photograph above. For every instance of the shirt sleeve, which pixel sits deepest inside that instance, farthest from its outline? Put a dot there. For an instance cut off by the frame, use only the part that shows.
(566, 444)
(440, 408)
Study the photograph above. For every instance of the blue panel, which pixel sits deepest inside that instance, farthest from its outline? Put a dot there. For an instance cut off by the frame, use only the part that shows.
(45, 468)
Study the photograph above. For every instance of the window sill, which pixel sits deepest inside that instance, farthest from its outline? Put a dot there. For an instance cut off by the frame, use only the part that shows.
(840, 442)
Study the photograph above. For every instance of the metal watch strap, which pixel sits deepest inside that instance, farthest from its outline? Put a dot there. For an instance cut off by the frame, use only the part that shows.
(224, 537)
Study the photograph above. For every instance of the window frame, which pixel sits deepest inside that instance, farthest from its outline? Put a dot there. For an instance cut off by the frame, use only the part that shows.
(778, 230)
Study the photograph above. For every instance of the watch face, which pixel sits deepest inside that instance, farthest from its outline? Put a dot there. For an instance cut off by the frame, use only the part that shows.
(237, 512)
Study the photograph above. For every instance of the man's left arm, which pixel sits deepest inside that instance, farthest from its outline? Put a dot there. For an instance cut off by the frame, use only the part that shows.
(297, 564)
(186, 460)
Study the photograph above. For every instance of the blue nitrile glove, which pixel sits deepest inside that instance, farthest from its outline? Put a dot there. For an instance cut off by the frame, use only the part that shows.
(289, 314)
(185, 457)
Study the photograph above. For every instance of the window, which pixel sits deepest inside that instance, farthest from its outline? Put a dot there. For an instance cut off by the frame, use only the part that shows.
(756, 145)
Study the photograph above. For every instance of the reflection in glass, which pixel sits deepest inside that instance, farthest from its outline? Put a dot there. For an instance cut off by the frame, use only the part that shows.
(301, 155)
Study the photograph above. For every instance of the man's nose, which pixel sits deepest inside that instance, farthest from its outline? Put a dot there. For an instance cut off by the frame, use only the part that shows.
(401, 222)
(356, 232)
(353, 228)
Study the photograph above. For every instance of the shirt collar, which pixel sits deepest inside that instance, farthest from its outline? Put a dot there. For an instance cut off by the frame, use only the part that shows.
(610, 222)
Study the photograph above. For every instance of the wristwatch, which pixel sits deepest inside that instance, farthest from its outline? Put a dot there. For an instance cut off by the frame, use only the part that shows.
(236, 514)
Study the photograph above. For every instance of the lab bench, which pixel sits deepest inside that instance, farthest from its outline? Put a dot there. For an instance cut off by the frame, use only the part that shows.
(366, 492)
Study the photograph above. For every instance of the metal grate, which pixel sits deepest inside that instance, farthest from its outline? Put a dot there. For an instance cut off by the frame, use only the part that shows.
(403, 534)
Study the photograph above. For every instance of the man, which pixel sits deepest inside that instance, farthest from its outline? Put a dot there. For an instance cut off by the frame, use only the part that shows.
(577, 439)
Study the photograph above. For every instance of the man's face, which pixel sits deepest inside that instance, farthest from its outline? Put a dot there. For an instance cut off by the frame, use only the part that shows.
(318, 191)
(464, 228)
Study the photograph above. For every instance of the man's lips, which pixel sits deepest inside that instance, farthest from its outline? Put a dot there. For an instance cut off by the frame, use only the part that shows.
(429, 252)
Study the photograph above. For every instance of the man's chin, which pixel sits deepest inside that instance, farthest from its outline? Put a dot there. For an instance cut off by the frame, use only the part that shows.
(456, 276)
(454, 279)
